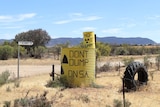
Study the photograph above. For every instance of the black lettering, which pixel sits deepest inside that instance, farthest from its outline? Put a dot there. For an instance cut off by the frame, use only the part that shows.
(81, 74)
(69, 73)
(86, 75)
(78, 54)
(78, 74)
(78, 62)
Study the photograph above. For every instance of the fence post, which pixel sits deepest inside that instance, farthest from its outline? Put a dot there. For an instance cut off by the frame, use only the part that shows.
(124, 102)
(52, 72)
(119, 67)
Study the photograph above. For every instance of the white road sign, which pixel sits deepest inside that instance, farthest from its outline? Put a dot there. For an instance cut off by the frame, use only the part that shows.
(25, 43)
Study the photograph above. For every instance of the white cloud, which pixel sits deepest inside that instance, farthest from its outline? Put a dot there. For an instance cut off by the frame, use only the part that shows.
(88, 28)
(26, 16)
(84, 29)
(75, 15)
(5, 17)
(112, 30)
(131, 25)
(78, 17)
(63, 22)
(154, 17)
(89, 18)
(6, 36)
(16, 18)
(11, 27)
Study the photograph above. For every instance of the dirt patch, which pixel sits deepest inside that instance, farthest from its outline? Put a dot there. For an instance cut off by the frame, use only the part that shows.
(34, 77)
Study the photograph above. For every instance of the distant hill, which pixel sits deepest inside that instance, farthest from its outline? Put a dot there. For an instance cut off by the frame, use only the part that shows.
(2, 40)
(109, 40)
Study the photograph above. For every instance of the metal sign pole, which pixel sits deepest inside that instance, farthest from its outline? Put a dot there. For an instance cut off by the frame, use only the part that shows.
(29, 43)
(18, 62)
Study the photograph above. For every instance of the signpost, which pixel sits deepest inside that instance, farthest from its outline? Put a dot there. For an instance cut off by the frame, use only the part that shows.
(29, 43)
(25, 43)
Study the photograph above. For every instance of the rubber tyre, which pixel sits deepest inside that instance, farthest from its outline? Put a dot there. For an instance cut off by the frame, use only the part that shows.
(130, 72)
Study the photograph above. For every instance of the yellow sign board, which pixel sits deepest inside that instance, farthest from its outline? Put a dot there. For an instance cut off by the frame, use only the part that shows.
(89, 39)
(78, 65)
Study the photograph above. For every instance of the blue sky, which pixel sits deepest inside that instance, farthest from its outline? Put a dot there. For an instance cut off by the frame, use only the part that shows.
(70, 18)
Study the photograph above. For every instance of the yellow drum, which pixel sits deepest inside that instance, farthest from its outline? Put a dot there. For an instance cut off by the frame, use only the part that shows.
(89, 39)
(78, 65)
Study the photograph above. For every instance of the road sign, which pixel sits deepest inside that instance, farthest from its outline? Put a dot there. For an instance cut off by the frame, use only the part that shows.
(25, 43)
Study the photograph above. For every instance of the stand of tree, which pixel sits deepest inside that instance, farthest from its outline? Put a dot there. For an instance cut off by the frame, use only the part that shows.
(40, 38)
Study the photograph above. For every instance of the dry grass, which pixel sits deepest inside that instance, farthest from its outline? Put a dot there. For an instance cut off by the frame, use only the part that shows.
(147, 96)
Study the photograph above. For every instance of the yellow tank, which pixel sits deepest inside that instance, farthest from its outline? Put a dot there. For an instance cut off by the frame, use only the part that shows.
(78, 65)
(89, 39)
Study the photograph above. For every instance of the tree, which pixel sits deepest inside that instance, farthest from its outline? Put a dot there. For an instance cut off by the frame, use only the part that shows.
(39, 37)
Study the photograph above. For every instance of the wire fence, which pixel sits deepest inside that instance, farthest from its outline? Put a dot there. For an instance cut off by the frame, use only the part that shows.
(147, 98)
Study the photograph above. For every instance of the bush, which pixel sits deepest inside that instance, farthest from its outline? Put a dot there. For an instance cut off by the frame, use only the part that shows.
(39, 51)
(83, 98)
(158, 61)
(22, 52)
(5, 52)
(17, 83)
(67, 82)
(38, 101)
(4, 77)
(106, 67)
(7, 104)
(8, 89)
(127, 61)
(56, 83)
(117, 103)
(146, 61)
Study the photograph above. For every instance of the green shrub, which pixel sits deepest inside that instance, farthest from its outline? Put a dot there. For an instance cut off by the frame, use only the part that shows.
(39, 51)
(63, 81)
(67, 82)
(8, 89)
(117, 103)
(56, 83)
(22, 52)
(158, 61)
(146, 61)
(5, 52)
(7, 104)
(106, 67)
(127, 61)
(84, 98)
(4, 77)
(127, 103)
(38, 101)
(94, 85)
(17, 83)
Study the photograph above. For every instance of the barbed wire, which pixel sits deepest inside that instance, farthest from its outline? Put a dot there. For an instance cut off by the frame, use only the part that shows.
(135, 89)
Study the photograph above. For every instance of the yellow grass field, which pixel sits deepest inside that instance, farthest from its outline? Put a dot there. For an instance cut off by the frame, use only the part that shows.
(34, 75)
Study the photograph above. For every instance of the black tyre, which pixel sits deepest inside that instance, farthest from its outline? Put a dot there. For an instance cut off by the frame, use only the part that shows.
(129, 75)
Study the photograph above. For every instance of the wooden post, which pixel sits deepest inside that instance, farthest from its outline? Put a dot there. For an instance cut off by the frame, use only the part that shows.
(119, 67)
(18, 61)
(124, 102)
(53, 72)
